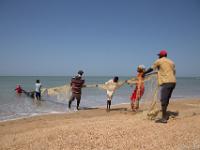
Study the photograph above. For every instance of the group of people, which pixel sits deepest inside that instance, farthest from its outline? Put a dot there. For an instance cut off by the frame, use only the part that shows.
(166, 78)
(77, 83)
(33, 94)
(137, 92)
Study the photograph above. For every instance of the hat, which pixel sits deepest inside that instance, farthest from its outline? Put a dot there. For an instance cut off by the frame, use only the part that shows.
(141, 68)
(162, 53)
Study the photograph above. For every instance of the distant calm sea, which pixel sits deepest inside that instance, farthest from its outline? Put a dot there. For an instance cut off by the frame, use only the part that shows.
(13, 106)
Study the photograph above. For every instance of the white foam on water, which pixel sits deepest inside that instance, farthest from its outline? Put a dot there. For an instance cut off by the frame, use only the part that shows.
(25, 116)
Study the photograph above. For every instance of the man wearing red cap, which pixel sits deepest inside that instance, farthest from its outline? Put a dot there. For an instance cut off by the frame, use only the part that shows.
(166, 79)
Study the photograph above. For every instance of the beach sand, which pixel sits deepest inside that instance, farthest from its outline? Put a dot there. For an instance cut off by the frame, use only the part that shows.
(97, 129)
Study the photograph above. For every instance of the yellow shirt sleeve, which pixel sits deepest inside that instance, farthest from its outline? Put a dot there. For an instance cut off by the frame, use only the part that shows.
(155, 65)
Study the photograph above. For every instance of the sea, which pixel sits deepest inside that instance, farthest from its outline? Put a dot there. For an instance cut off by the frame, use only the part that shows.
(13, 106)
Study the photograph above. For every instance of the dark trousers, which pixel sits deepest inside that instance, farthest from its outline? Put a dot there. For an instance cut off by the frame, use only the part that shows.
(166, 93)
(38, 95)
(108, 104)
(73, 97)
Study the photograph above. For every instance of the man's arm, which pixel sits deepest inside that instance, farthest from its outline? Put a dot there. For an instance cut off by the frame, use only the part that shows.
(84, 85)
(148, 71)
(174, 69)
(131, 81)
(153, 67)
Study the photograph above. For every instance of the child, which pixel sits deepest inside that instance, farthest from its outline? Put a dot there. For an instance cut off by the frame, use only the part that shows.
(139, 88)
(38, 90)
(111, 86)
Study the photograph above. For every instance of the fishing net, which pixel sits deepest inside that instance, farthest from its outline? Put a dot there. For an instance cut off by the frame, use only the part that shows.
(60, 93)
(150, 99)
(112, 86)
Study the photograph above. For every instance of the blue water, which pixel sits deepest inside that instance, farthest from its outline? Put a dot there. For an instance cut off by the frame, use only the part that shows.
(13, 106)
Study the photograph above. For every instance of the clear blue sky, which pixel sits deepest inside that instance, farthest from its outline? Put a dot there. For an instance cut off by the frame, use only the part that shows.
(101, 37)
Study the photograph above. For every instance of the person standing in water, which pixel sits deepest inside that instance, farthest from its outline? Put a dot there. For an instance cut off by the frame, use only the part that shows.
(166, 79)
(19, 90)
(38, 86)
(77, 83)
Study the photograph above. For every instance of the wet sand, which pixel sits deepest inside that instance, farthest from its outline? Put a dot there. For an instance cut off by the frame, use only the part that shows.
(94, 128)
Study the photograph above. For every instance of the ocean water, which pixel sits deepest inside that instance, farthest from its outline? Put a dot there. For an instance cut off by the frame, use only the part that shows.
(13, 106)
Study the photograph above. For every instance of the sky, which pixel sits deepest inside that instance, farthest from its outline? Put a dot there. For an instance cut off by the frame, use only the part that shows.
(101, 37)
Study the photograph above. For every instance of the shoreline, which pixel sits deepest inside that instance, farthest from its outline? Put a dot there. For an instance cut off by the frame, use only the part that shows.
(94, 128)
(59, 113)
(74, 111)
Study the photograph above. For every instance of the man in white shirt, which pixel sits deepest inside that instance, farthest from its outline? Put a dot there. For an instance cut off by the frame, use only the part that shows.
(111, 86)
(38, 86)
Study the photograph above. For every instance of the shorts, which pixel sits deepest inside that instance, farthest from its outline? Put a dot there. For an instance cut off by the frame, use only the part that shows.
(37, 94)
(109, 95)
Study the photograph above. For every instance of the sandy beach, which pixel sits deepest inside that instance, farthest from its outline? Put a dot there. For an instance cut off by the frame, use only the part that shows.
(97, 129)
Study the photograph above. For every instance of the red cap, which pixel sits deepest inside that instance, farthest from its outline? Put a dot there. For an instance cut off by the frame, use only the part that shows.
(163, 53)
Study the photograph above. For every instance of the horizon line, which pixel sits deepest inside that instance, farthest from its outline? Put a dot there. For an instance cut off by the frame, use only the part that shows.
(85, 76)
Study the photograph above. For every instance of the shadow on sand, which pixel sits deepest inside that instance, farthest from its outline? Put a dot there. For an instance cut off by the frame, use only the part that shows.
(88, 108)
(118, 109)
(172, 114)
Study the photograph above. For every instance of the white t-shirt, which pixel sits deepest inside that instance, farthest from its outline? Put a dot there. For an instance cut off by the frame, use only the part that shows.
(38, 87)
(111, 87)
(110, 91)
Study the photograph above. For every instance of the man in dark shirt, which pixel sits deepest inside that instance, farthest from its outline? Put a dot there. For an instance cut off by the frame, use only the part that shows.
(76, 85)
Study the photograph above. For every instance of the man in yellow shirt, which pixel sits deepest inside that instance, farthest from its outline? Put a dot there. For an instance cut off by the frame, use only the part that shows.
(166, 79)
